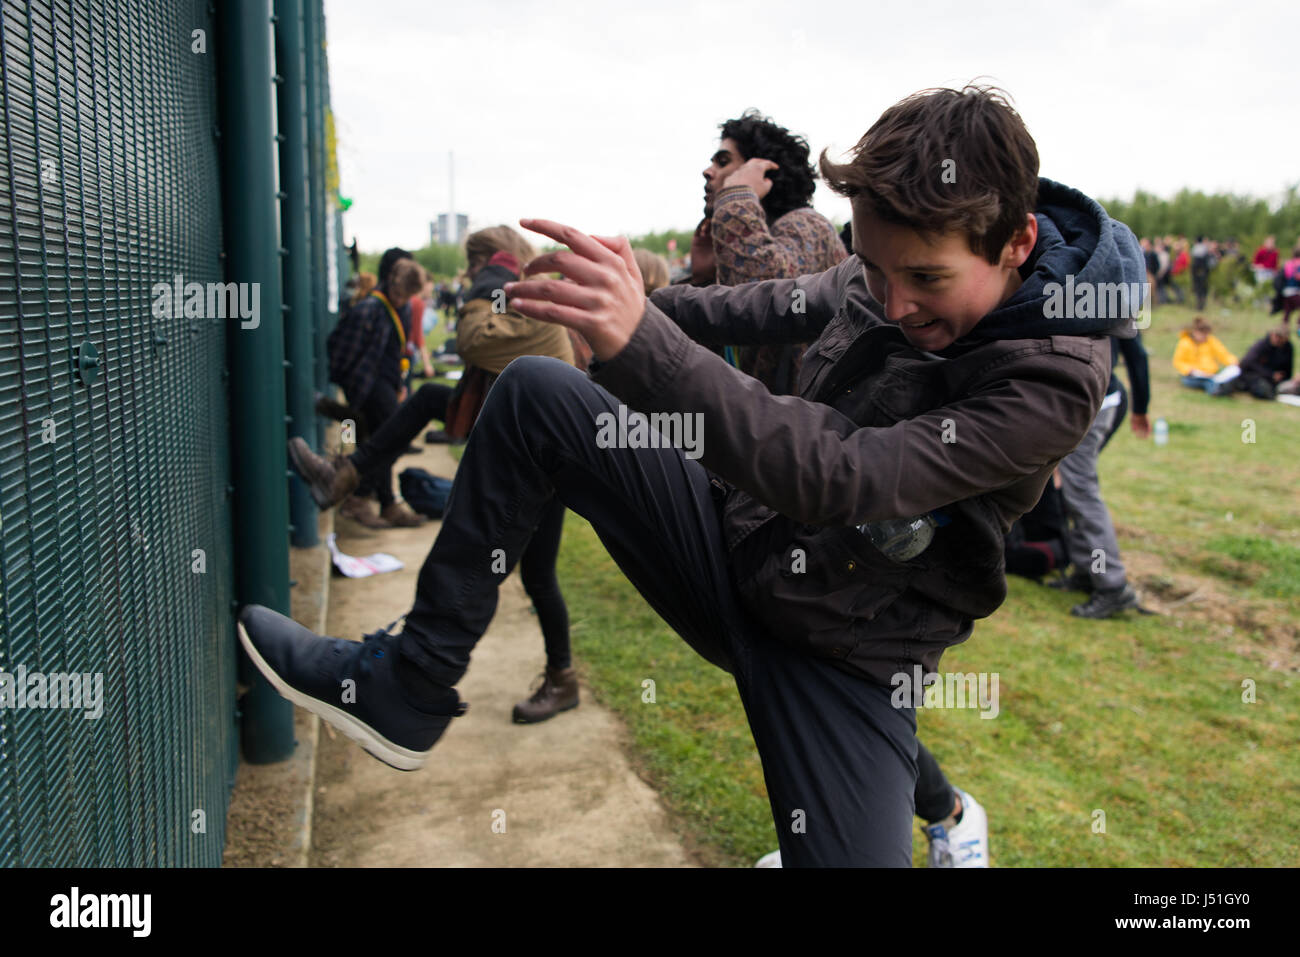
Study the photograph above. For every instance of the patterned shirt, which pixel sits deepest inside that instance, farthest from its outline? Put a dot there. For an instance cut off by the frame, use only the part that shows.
(747, 249)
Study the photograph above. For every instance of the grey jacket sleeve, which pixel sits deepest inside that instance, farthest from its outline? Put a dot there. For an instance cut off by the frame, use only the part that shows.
(812, 463)
(775, 312)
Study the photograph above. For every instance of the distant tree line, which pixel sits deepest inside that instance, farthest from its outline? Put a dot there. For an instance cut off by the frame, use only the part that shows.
(1220, 216)
(443, 261)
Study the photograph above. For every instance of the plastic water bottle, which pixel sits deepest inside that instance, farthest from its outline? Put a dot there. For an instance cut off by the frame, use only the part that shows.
(901, 539)
(1161, 432)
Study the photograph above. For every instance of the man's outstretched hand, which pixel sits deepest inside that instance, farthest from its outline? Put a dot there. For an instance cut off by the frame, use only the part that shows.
(602, 295)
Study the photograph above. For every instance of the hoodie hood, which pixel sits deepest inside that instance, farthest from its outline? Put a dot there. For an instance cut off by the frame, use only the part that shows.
(491, 278)
(1071, 281)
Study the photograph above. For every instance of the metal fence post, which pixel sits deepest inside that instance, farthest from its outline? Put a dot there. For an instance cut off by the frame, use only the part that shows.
(313, 43)
(257, 410)
(300, 327)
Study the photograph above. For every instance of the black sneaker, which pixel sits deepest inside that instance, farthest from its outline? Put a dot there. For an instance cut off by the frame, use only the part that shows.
(350, 684)
(1103, 604)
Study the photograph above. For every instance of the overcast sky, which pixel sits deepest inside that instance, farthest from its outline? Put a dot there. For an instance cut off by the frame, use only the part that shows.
(603, 115)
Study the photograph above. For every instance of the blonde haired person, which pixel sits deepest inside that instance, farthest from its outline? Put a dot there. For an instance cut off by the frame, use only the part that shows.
(654, 269)
(489, 336)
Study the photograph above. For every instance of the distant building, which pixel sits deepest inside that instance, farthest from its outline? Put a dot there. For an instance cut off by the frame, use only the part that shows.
(442, 233)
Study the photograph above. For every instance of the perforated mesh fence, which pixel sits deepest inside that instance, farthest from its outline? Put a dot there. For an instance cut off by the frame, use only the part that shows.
(115, 534)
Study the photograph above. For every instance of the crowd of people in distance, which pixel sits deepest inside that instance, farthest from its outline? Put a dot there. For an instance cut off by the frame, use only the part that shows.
(1170, 257)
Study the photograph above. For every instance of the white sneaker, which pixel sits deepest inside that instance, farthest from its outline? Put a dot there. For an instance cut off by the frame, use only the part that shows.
(940, 853)
(951, 845)
(965, 844)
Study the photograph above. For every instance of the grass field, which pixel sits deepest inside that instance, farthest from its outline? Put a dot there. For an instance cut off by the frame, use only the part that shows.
(1139, 718)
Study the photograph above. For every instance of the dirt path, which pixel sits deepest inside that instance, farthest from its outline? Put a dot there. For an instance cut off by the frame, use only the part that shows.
(556, 794)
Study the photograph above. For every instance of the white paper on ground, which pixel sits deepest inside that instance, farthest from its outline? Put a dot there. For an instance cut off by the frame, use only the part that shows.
(1227, 373)
(1289, 399)
(353, 567)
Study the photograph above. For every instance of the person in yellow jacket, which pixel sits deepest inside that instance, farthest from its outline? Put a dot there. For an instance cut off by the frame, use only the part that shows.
(1203, 361)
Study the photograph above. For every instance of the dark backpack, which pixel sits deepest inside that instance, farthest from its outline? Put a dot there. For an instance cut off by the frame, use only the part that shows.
(425, 493)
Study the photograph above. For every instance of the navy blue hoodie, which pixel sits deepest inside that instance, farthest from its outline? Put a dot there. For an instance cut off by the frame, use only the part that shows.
(1078, 246)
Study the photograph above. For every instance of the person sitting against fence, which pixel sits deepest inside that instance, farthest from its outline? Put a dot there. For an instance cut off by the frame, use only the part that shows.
(1267, 364)
(367, 358)
(1203, 361)
(356, 289)
(489, 338)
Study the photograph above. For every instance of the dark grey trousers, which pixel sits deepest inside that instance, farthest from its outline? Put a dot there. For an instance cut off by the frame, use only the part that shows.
(1091, 543)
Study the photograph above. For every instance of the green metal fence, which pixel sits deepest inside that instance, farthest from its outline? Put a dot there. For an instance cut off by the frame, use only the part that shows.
(116, 536)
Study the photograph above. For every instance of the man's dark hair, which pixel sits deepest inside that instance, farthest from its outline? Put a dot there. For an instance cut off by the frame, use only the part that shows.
(388, 260)
(944, 160)
(758, 137)
(846, 237)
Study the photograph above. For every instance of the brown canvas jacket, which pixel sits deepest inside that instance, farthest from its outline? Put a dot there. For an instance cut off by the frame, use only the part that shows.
(491, 340)
(864, 440)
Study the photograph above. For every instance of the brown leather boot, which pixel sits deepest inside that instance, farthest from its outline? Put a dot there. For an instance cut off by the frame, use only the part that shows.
(400, 515)
(362, 511)
(559, 692)
(331, 480)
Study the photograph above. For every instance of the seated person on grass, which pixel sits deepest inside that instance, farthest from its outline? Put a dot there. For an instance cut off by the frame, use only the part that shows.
(1267, 364)
(937, 389)
(1203, 361)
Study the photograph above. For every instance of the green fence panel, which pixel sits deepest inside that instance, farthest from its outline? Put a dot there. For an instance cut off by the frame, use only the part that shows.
(115, 533)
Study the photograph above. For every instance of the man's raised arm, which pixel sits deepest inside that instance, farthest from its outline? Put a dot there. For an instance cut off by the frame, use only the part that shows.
(804, 459)
(774, 312)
